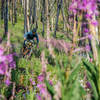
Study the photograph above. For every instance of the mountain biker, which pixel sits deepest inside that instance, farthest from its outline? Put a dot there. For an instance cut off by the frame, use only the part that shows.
(31, 35)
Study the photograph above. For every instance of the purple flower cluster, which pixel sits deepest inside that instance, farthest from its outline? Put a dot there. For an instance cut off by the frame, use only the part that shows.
(32, 82)
(41, 86)
(88, 85)
(89, 11)
(87, 6)
(87, 48)
(7, 63)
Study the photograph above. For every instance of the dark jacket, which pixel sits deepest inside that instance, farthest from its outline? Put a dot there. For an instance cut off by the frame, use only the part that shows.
(31, 36)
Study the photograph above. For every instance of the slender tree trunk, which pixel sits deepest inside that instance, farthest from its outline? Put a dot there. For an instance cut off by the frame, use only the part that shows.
(48, 31)
(25, 16)
(57, 16)
(23, 3)
(9, 9)
(34, 11)
(52, 24)
(43, 16)
(64, 17)
(28, 25)
(6, 18)
(15, 11)
(12, 19)
(2, 9)
(30, 17)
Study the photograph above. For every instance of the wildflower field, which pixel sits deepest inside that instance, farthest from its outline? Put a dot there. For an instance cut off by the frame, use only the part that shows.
(66, 63)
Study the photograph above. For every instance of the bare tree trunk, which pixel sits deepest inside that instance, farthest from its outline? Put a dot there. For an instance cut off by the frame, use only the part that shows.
(23, 3)
(52, 24)
(28, 25)
(34, 11)
(43, 16)
(25, 16)
(2, 9)
(30, 17)
(57, 16)
(6, 18)
(12, 12)
(15, 11)
(48, 31)
(66, 25)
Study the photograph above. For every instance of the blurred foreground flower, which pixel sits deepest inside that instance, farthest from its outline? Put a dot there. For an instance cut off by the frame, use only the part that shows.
(32, 82)
(7, 82)
(40, 78)
(88, 85)
(87, 48)
(38, 97)
(95, 23)
(6, 64)
(90, 36)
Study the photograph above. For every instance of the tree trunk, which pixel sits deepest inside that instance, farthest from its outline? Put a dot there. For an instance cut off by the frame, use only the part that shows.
(43, 16)
(34, 11)
(2, 9)
(12, 12)
(30, 17)
(15, 11)
(57, 16)
(25, 16)
(28, 25)
(48, 31)
(6, 19)
(52, 24)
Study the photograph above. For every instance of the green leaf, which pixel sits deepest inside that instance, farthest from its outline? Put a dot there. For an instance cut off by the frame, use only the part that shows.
(93, 88)
(50, 88)
(74, 73)
(89, 66)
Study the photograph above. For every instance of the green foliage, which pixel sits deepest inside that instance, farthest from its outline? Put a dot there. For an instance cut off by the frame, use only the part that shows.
(50, 88)
(92, 75)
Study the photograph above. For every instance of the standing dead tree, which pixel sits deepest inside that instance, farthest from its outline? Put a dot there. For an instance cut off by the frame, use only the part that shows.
(6, 18)
(57, 16)
(60, 6)
(15, 11)
(48, 30)
(25, 16)
(2, 9)
(43, 16)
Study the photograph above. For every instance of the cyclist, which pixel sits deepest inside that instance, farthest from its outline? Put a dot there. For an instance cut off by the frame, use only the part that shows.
(30, 36)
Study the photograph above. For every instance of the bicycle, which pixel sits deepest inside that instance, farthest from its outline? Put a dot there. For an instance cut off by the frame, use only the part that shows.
(27, 48)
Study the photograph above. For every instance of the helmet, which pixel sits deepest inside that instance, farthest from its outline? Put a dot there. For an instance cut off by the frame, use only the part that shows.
(34, 30)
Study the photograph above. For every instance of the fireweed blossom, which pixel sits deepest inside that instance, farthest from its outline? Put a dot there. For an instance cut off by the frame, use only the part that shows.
(7, 82)
(88, 6)
(94, 22)
(87, 48)
(32, 82)
(38, 97)
(40, 78)
(50, 82)
(89, 11)
(88, 85)
(90, 36)
(7, 63)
